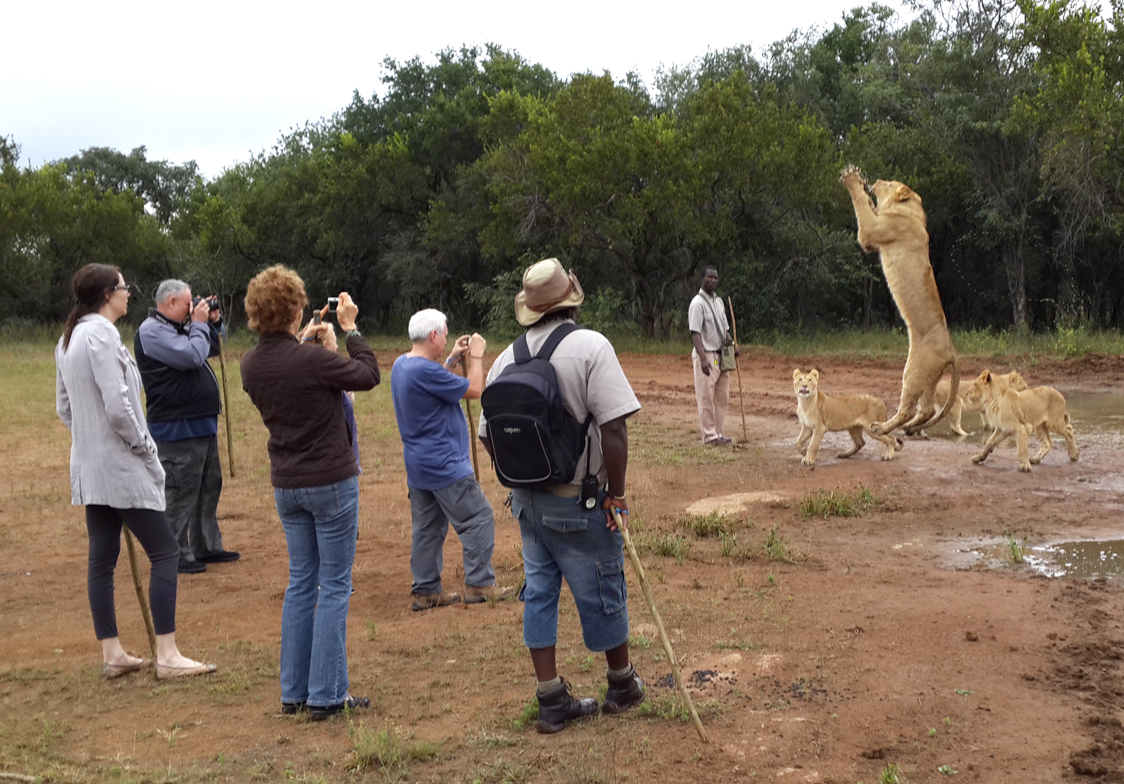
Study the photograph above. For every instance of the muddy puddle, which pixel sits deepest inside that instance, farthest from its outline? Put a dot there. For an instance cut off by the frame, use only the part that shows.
(1097, 419)
(1078, 559)
(1075, 560)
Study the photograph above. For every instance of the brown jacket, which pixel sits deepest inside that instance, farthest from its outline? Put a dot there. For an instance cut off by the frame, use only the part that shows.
(296, 387)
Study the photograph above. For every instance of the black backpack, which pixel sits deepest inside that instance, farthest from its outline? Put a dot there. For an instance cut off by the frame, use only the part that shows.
(536, 442)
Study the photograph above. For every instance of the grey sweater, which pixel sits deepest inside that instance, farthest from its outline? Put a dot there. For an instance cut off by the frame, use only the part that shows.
(113, 459)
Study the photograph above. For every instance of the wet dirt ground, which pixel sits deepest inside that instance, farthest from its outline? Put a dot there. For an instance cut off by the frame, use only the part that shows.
(883, 639)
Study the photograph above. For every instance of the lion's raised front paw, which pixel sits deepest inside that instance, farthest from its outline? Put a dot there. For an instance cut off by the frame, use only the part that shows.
(851, 173)
(876, 427)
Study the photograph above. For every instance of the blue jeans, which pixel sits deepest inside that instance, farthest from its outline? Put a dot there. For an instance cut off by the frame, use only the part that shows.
(561, 539)
(321, 524)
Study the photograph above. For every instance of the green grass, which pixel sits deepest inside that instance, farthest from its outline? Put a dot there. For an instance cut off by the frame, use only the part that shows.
(707, 526)
(388, 750)
(670, 546)
(829, 503)
(776, 548)
(1016, 549)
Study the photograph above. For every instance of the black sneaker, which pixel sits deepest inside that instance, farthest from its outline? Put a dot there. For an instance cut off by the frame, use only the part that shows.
(191, 567)
(321, 712)
(222, 556)
(558, 708)
(623, 694)
(292, 708)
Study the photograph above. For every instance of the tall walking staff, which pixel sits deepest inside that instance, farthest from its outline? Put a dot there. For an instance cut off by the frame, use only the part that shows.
(471, 425)
(737, 365)
(145, 610)
(664, 641)
(226, 409)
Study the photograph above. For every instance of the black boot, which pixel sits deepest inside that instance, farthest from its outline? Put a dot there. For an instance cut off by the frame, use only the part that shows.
(558, 708)
(624, 694)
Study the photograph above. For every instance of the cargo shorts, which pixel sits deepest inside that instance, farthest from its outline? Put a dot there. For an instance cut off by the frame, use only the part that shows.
(563, 540)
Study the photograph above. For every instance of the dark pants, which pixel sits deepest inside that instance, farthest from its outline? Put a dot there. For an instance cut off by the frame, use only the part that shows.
(152, 531)
(192, 486)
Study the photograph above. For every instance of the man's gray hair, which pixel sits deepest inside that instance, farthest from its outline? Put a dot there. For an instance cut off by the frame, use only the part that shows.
(424, 322)
(168, 289)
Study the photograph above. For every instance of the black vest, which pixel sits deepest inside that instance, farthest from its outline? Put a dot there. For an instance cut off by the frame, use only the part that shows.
(174, 395)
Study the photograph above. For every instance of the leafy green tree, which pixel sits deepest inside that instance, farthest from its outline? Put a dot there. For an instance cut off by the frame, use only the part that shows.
(165, 187)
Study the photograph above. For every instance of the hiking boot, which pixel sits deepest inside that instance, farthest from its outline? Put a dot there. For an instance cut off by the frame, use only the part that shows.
(623, 694)
(475, 594)
(558, 708)
(427, 601)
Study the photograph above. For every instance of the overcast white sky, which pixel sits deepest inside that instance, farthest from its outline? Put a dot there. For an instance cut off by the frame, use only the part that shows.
(215, 81)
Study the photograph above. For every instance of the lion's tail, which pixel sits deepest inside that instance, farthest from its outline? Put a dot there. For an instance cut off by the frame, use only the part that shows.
(953, 366)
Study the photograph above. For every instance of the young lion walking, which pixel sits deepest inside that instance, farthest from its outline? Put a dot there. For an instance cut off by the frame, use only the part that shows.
(819, 414)
(1041, 409)
(892, 222)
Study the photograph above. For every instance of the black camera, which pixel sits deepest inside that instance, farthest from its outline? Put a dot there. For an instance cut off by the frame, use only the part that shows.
(212, 302)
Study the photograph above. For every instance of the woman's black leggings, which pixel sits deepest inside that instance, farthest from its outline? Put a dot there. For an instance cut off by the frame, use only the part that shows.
(155, 535)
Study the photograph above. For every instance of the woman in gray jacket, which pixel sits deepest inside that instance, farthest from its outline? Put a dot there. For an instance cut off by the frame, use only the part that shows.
(114, 470)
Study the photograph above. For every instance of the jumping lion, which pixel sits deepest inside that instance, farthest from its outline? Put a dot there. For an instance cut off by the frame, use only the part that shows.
(819, 414)
(1016, 413)
(892, 222)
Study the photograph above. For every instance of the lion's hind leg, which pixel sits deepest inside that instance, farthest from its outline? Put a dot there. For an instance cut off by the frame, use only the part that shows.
(1045, 443)
(1070, 440)
(954, 416)
(857, 437)
(890, 442)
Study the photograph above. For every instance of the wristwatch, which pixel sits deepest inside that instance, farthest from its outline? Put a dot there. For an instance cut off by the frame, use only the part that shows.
(353, 333)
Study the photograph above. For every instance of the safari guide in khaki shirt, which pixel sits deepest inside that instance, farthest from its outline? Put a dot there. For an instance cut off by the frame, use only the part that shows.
(706, 318)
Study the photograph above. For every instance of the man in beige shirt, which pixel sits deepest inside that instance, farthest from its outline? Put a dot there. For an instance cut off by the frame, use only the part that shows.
(706, 318)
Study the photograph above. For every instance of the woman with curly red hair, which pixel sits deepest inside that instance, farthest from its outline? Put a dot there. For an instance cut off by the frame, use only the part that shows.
(296, 386)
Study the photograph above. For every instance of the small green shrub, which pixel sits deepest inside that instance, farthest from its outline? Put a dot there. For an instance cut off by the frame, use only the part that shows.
(712, 524)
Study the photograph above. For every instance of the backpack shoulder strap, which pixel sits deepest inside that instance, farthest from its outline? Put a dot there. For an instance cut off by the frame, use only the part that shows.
(556, 337)
(519, 350)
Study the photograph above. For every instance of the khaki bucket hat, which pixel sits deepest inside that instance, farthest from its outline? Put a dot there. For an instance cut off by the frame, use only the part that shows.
(546, 287)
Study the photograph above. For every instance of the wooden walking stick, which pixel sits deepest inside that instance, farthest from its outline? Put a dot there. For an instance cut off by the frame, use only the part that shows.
(738, 367)
(471, 427)
(146, 611)
(664, 641)
(226, 409)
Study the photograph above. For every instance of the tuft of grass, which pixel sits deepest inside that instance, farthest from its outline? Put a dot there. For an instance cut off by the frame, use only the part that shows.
(387, 750)
(728, 546)
(776, 548)
(372, 630)
(528, 714)
(829, 503)
(891, 774)
(707, 526)
(1017, 550)
(671, 546)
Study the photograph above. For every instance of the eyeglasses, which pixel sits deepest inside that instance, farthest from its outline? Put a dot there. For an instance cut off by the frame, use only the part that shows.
(123, 287)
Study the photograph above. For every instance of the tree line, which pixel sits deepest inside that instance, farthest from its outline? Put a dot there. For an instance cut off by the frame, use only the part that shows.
(1006, 116)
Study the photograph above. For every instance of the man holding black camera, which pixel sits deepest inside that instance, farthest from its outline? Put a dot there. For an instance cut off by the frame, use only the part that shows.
(172, 347)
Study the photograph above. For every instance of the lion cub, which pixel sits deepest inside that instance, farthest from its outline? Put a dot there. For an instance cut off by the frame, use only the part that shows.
(819, 414)
(956, 411)
(1012, 412)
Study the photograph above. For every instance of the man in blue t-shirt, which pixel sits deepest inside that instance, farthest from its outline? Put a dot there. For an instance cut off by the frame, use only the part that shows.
(443, 488)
